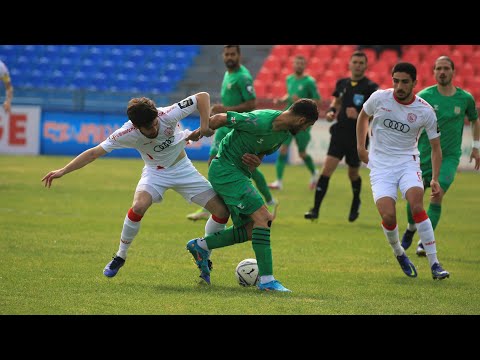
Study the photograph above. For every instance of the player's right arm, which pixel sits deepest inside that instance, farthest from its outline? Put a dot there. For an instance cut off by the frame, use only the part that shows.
(80, 161)
(218, 120)
(336, 102)
(362, 129)
(333, 110)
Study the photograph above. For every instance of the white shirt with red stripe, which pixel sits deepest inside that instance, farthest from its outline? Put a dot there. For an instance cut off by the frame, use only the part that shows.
(162, 151)
(396, 127)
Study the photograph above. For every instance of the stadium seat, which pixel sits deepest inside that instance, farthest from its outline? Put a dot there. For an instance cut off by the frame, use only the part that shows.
(260, 88)
(273, 63)
(371, 55)
(323, 53)
(277, 89)
(281, 51)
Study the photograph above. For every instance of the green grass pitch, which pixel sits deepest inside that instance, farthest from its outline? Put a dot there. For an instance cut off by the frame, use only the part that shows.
(55, 242)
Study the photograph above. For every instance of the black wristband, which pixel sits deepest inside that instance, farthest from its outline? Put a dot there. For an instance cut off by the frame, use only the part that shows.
(333, 109)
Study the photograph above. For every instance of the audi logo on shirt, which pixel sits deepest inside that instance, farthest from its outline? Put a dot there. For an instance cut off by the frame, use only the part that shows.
(164, 144)
(395, 125)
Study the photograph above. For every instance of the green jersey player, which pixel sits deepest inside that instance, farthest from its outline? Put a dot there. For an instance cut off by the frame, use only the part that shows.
(299, 85)
(237, 94)
(259, 132)
(451, 104)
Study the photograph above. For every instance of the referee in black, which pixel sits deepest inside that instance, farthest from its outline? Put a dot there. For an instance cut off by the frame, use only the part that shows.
(348, 97)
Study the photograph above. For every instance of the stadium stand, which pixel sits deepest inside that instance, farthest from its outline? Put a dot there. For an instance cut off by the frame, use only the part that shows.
(327, 63)
(88, 72)
(103, 77)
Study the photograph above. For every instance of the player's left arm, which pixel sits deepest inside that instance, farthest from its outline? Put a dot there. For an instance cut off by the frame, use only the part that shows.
(476, 143)
(436, 163)
(7, 105)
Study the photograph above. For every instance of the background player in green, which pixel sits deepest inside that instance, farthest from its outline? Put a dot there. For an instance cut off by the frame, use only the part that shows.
(237, 94)
(299, 85)
(257, 133)
(451, 104)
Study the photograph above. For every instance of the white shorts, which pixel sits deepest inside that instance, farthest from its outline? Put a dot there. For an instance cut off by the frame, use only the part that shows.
(182, 177)
(387, 181)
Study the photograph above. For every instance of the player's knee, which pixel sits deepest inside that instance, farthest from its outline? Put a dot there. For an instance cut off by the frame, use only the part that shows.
(217, 207)
(417, 208)
(139, 208)
(389, 219)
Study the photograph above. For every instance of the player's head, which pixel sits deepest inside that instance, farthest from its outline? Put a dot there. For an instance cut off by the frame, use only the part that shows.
(299, 64)
(305, 112)
(404, 77)
(443, 70)
(143, 113)
(231, 56)
(358, 64)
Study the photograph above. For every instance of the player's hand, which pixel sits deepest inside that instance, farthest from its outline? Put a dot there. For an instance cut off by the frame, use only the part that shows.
(330, 116)
(7, 106)
(351, 112)
(435, 186)
(194, 135)
(363, 155)
(55, 174)
(217, 109)
(207, 133)
(475, 155)
(251, 160)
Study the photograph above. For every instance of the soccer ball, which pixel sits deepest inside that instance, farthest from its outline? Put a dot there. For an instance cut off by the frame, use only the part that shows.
(247, 272)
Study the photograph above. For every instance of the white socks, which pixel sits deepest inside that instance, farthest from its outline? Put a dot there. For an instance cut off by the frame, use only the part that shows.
(393, 240)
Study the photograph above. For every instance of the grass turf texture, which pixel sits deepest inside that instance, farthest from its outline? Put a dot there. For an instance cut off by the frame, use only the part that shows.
(54, 244)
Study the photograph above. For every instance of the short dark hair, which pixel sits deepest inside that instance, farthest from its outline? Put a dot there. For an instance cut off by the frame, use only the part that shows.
(359, 54)
(232, 46)
(444, 57)
(406, 67)
(305, 107)
(141, 111)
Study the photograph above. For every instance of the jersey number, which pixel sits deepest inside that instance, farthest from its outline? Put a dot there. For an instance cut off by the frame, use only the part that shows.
(185, 103)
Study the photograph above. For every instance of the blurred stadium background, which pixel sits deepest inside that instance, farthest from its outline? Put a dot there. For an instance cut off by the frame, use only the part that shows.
(68, 98)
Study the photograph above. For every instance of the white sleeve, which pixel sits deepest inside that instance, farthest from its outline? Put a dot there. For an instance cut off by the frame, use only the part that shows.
(120, 139)
(431, 125)
(174, 113)
(369, 106)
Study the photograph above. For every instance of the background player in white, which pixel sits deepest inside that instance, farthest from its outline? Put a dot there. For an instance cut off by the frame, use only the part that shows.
(398, 119)
(156, 134)
(5, 76)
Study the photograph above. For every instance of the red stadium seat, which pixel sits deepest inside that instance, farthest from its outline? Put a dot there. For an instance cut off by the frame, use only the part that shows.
(265, 75)
(323, 53)
(413, 56)
(260, 88)
(371, 55)
(278, 89)
(304, 50)
(272, 63)
(281, 51)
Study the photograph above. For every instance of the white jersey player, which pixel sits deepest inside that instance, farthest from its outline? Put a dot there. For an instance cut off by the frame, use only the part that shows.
(5, 77)
(158, 137)
(397, 118)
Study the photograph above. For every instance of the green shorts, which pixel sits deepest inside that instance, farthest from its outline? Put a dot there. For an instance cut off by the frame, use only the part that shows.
(448, 170)
(302, 139)
(236, 189)
(220, 133)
